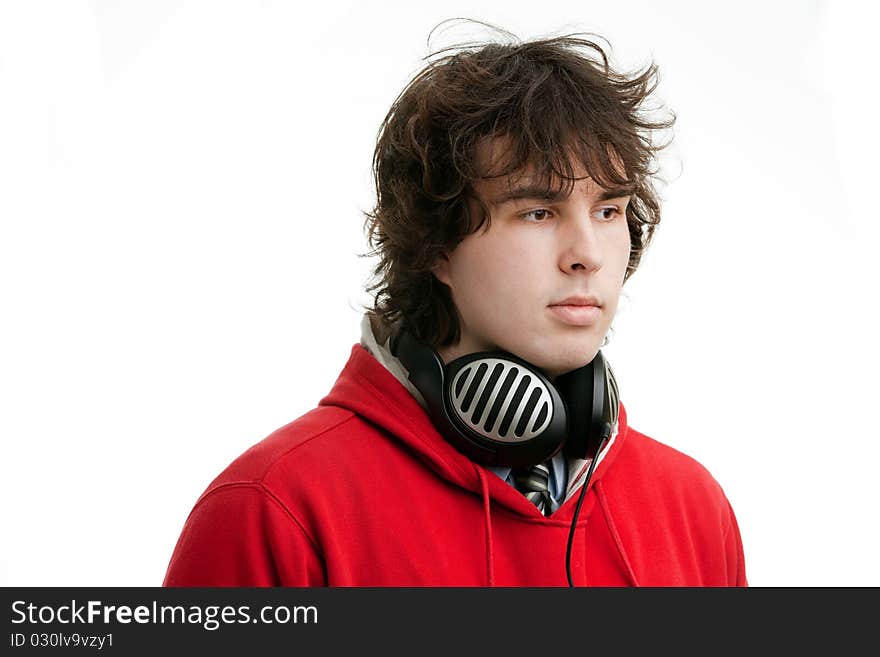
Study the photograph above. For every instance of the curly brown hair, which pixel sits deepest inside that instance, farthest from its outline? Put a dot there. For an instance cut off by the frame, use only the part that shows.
(553, 100)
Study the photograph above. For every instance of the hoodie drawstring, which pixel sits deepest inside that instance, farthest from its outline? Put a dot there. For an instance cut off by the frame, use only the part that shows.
(490, 556)
(603, 504)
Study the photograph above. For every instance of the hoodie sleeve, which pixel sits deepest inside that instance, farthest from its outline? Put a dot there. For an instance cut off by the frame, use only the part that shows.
(241, 535)
(736, 568)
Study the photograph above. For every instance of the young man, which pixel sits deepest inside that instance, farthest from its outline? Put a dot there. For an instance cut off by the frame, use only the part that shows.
(475, 436)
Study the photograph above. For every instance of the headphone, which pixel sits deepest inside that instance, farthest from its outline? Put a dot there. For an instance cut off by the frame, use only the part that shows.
(501, 410)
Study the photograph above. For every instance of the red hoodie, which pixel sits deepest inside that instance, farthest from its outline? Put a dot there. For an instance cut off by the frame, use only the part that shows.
(363, 491)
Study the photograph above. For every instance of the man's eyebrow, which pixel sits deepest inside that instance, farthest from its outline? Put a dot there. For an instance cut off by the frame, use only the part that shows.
(543, 193)
(527, 191)
(616, 192)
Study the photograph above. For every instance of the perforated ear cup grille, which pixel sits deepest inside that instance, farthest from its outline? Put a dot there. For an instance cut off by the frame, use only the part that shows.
(501, 401)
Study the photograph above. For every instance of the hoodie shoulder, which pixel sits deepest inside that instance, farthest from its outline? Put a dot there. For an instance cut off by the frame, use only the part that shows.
(664, 471)
(255, 464)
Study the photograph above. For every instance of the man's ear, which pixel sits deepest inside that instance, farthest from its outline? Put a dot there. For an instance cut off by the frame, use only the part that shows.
(440, 268)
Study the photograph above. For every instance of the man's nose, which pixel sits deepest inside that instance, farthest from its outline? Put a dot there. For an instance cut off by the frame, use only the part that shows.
(581, 248)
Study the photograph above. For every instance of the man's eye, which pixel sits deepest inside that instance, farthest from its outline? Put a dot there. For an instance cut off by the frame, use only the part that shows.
(539, 215)
(608, 213)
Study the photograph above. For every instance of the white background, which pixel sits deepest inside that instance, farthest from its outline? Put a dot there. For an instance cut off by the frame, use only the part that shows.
(181, 188)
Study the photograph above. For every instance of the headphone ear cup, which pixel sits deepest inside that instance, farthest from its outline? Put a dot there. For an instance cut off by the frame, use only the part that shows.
(500, 402)
(585, 392)
(474, 407)
(613, 396)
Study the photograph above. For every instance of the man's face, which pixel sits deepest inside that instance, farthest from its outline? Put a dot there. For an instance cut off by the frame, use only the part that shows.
(537, 253)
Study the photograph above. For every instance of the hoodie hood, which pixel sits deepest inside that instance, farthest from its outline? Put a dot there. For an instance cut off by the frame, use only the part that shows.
(375, 386)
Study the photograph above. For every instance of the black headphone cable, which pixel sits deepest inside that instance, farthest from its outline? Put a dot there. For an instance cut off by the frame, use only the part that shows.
(605, 435)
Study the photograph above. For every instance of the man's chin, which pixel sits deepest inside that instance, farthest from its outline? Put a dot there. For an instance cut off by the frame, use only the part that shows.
(553, 373)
